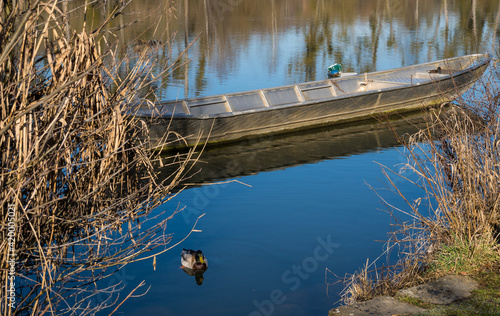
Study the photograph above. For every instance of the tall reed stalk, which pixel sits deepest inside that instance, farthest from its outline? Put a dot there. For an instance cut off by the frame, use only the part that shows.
(74, 173)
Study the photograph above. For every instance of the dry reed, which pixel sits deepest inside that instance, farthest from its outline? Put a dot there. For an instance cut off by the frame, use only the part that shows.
(454, 226)
(80, 182)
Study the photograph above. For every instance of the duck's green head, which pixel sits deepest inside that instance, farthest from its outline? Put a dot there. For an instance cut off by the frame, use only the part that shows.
(200, 257)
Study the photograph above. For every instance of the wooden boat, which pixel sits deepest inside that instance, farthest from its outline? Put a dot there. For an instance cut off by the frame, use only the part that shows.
(235, 116)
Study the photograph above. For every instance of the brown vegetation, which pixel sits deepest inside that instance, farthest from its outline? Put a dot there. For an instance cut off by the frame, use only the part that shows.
(454, 227)
(79, 181)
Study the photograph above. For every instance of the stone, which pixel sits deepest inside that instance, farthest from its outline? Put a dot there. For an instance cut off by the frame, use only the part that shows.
(380, 306)
(442, 291)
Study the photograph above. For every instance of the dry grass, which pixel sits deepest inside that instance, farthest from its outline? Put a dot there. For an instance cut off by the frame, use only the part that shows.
(81, 183)
(454, 226)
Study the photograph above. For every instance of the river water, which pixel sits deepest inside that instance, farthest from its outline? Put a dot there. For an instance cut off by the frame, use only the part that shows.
(302, 203)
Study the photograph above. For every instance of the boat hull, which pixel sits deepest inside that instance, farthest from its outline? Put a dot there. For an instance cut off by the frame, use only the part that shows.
(381, 96)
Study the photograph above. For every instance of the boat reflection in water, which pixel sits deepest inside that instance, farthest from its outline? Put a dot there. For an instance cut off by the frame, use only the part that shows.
(282, 151)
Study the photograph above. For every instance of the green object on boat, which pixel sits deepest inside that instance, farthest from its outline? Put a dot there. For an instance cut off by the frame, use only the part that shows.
(335, 67)
(334, 70)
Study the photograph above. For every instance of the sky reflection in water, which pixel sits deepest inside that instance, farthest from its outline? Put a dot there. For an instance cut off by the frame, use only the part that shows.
(262, 241)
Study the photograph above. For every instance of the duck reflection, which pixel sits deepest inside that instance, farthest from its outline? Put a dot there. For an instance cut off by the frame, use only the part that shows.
(198, 274)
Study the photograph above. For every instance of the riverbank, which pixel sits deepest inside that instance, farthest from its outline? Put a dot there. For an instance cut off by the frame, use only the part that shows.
(450, 232)
(477, 294)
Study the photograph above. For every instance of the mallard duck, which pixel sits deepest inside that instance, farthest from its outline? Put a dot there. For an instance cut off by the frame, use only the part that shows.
(194, 260)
